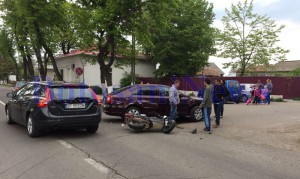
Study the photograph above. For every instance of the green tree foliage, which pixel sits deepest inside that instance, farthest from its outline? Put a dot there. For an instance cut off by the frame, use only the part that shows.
(295, 72)
(39, 27)
(102, 26)
(127, 79)
(6, 67)
(178, 35)
(7, 49)
(249, 38)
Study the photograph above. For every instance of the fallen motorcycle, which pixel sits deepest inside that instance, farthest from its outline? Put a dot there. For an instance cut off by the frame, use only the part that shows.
(144, 123)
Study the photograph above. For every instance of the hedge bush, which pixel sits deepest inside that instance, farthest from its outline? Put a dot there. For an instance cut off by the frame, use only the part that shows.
(277, 100)
(126, 80)
(96, 89)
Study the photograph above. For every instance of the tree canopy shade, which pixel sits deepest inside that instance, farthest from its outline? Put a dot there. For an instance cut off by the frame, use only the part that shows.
(103, 25)
(248, 38)
(179, 36)
(6, 67)
(38, 27)
(7, 50)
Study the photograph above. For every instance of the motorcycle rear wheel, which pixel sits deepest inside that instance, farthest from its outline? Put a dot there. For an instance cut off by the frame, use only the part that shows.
(169, 127)
(137, 126)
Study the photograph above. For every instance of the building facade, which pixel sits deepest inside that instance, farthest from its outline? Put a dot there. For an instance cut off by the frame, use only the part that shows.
(69, 64)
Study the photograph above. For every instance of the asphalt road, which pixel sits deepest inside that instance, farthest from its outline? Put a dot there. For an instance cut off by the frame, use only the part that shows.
(115, 151)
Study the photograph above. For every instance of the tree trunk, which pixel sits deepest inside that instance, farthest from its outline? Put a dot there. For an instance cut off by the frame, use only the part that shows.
(65, 46)
(102, 74)
(23, 54)
(46, 58)
(40, 63)
(104, 68)
(48, 50)
(25, 75)
(29, 63)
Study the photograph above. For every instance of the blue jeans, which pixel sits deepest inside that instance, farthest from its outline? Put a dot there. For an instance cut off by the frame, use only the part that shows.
(222, 108)
(173, 111)
(207, 112)
(268, 99)
(217, 108)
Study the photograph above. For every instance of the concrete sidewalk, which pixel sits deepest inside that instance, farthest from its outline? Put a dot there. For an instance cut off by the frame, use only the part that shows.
(276, 125)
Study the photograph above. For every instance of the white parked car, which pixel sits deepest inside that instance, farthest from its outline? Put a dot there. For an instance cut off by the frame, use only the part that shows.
(246, 88)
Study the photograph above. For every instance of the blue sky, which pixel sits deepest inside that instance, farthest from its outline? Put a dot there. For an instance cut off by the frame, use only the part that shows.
(284, 12)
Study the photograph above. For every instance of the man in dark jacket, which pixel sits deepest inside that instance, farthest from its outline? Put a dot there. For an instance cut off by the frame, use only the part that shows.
(224, 99)
(218, 100)
(206, 105)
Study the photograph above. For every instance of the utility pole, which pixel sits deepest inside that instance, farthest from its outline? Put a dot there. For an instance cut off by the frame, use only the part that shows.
(133, 60)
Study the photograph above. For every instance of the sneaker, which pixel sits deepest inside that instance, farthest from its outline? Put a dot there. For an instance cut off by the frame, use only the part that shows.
(215, 126)
(206, 131)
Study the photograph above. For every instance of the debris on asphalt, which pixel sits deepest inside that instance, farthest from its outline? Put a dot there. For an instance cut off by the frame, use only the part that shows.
(179, 127)
(194, 131)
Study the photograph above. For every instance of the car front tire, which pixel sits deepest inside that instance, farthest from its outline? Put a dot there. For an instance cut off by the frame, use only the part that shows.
(244, 98)
(32, 129)
(8, 118)
(196, 114)
(92, 129)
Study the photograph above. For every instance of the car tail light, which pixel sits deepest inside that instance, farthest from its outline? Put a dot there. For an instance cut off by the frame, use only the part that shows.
(96, 97)
(44, 102)
(109, 99)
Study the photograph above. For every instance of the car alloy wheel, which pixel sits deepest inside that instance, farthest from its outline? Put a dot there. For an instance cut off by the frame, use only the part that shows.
(32, 130)
(133, 110)
(29, 125)
(196, 113)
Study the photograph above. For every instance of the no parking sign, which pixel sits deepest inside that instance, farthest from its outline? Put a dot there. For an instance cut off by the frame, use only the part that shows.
(79, 71)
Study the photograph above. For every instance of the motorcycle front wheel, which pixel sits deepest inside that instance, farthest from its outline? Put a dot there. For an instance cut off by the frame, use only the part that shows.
(169, 127)
(136, 126)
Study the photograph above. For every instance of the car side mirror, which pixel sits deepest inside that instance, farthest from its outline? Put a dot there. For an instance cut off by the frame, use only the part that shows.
(9, 95)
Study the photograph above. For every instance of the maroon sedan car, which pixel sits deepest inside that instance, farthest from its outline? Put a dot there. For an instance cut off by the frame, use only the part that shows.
(149, 99)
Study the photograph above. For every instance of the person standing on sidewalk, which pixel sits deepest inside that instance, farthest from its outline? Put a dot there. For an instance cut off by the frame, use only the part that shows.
(269, 86)
(174, 100)
(206, 105)
(226, 95)
(218, 100)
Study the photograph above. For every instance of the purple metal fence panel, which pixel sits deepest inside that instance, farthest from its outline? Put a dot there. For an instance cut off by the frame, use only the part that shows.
(186, 83)
(289, 87)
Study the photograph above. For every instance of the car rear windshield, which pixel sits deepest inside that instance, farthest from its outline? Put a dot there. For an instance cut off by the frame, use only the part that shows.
(121, 89)
(70, 92)
(21, 83)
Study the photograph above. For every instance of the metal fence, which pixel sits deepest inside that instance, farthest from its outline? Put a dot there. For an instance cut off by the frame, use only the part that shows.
(288, 87)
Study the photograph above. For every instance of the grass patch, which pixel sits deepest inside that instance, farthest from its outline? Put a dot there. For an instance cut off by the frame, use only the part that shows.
(277, 100)
(296, 99)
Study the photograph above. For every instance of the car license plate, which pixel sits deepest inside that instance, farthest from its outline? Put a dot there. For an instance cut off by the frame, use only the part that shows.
(75, 106)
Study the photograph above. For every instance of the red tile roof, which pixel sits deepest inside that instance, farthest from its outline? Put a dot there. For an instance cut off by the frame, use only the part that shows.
(95, 53)
(287, 65)
(211, 70)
